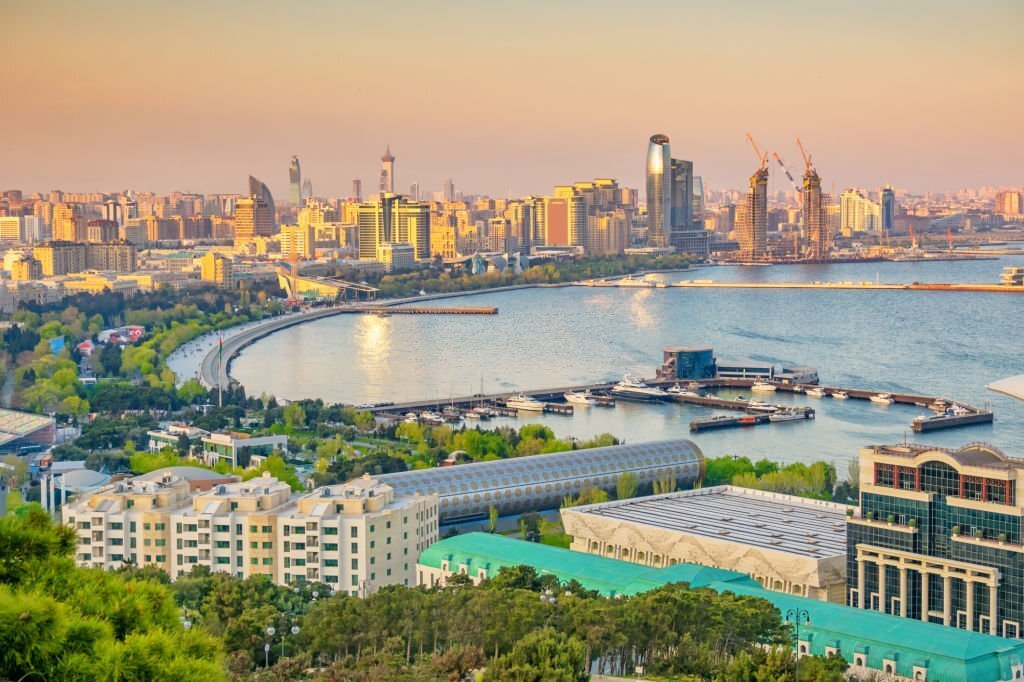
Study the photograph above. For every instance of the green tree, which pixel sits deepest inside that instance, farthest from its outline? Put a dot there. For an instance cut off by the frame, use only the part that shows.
(543, 656)
(626, 486)
(295, 417)
(492, 519)
(145, 462)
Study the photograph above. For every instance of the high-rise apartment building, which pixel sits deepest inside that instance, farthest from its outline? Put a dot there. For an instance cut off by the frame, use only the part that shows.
(65, 258)
(938, 537)
(858, 214)
(357, 190)
(101, 231)
(295, 182)
(356, 537)
(68, 223)
(659, 191)
(387, 172)
(752, 222)
(1010, 204)
(887, 200)
(298, 241)
(10, 229)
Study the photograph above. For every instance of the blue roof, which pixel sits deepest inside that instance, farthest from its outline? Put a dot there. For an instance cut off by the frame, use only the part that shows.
(949, 654)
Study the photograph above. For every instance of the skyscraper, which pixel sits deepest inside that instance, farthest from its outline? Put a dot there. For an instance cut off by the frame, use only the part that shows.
(387, 172)
(254, 217)
(815, 220)
(414, 191)
(751, 231)
(682, 195)
(449, 190)
(294, 182)
(659, 190)
(698, 203)
(265, 200)
(888, 201)
(357, 189)
(307, 190)
(392, 219)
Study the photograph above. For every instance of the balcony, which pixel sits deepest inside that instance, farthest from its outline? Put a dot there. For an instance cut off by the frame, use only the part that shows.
(312, 557)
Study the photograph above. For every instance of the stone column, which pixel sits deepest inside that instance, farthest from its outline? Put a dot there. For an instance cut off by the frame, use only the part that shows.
(861, 582)
(970, 604)
(992, 612)
(903, 592)
(947, 598)
(881, 587)
(924, 595)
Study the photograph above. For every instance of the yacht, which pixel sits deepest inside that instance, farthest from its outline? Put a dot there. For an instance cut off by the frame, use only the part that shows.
(840, 395)
(785, 416)
(815, 392)
(579, 398)
(939, 406)
(472, 414)
(758, 406)
(679, 390)
(521, 401)
(631, 388)
(762, 386)
(882, 398)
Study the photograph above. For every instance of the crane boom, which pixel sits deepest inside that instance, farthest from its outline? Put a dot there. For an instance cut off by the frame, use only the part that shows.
(786, 171)
(762, 158)
(807, 157)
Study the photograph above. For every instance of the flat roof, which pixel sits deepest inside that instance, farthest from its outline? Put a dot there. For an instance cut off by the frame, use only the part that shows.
(15, 424)
(783, 523)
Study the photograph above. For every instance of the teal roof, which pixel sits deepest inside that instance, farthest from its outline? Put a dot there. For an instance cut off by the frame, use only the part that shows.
(948, 654)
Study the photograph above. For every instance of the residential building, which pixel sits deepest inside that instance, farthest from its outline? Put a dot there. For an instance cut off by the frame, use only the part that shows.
(298, 241)
(752, 221)
(63, 258)
(815, 220)
(888, 208)
(442, 241)
(67, 223)
(858, 215)
(254, 216)
(218, 268)
(938, 536)
(26, 268)
(355, 537)
(238, 449)
(10, 229)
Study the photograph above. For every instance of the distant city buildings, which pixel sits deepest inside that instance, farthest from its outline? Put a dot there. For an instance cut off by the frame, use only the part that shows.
(675, 214)
(387, 172)
(859, 215)
(295, 182)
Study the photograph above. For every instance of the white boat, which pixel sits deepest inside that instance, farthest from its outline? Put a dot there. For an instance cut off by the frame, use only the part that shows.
(785, 416)
(472, 414)
(521, 401)
(939, 406)
(815, 392)
(840, 395)
(758, 406)
(630, 281)
(631, 388)
(431, 418)
(579, 398)
(882, 399)
(762, 386)
(679, 390)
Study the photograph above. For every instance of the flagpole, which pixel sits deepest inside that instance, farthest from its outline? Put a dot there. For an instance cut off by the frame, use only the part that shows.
(220, 360)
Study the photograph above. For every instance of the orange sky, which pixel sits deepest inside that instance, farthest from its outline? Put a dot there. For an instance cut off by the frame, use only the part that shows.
(506, 96)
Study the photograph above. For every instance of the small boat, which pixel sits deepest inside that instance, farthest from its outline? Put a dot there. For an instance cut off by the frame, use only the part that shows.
(840, 395)
(431, 418)
(815, 392)
(685, 392)
(747, 421)
(758, 406)
(579, 398)
(939, 406)
(472, 414)
(521, 401)
(632, 388)
(762, 386)
(786, 416)
(882, 399)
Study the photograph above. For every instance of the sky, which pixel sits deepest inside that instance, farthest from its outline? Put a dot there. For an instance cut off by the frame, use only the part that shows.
(506, 98)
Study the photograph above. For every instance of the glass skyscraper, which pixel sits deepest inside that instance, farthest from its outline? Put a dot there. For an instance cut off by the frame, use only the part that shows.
(659, 191)
(294, 182)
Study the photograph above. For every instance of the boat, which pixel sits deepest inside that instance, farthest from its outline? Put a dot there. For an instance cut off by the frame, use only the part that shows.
(758, 406)
(631, 388)
(521, 401)
(431, 418)
(747, 421)
(472, 414)
(939, 406)
(815, 392)
(840, 395)
(763, 386)
(579, 398)
(685, 392)
(786, 416)
(630, 281)
(882, 399)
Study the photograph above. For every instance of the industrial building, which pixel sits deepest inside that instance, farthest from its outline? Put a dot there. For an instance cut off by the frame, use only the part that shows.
(786, 543)
(521, 484)
(938, 536)
(871, 642)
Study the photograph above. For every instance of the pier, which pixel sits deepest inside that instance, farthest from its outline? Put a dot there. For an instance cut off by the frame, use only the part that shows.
(840, 286)
(419, 310)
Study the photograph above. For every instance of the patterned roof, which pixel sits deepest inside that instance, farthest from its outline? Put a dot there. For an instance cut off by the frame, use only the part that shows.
(15, 425)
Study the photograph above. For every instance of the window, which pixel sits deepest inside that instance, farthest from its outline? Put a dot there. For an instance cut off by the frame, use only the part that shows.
(268, 545)
(223, 560)
(145, 526)
(355, 564)
(160, 558)
(330, 531)
(372, 528)
(254, 561)
(331, 578)
(287, 531)
(254, 545)
(222, 529)
(267, 529)
(234, 506)
(178, 528)
(238, 529)
(254, 529)
(355, 548)
(159, 526)
(222, 544)
(287, 562)
(387, 525)
(116, 525)
(355, 583)
(330, 563)
(131, 526)
(330, 547)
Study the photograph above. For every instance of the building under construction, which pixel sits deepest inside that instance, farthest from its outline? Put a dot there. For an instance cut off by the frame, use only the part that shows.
(752, 223)
(815, 217)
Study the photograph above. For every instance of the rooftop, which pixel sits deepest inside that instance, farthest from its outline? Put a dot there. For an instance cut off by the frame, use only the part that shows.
(783, 523)
(14, 424)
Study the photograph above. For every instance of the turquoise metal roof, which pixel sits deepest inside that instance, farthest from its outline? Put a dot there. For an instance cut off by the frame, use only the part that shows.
(949, 654)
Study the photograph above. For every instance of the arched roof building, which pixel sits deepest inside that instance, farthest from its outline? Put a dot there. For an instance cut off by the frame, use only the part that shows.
(540, 482)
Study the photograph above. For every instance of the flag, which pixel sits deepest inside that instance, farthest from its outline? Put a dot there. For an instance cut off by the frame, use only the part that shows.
(220, 354)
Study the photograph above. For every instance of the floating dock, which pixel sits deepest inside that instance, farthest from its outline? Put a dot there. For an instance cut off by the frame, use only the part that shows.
(949, 421)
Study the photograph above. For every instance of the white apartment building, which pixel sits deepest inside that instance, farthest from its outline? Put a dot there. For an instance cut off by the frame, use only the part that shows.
(355, 537)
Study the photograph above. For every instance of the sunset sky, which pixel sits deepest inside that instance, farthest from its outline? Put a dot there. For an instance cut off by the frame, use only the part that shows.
(506, 97)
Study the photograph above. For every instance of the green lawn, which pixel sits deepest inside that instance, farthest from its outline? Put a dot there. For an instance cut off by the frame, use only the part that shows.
(556, 540)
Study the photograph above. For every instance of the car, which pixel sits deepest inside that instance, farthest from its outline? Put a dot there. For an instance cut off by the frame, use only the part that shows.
(364, 406)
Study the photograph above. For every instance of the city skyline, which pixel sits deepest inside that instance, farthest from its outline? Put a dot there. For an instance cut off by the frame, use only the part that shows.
(887, 108)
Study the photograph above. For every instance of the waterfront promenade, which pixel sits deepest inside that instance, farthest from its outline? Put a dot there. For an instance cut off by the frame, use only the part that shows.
(852, 286)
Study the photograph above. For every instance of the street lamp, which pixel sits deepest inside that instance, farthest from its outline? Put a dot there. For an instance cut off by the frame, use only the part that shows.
(794, 616)
(266, 646)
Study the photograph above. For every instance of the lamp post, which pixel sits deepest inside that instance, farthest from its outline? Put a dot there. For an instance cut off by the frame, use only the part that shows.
(266, 646)
(794, 615)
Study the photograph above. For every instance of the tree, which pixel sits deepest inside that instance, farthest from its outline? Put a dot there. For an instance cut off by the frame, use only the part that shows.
(364, 421)
(543, 656)
(295, 417)
(144, 462)
(492, 519)
(664, 483)
(626, 486)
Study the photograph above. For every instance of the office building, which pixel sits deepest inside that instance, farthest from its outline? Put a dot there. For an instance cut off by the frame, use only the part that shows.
(786, 543)
(239, 449)
(875, 646)
(255, 216)
(10, 229)
(387, 172)
(539, 482)
(295, 182)
(307, 190)
(355, 537)
(217, 268)
(392, 219)
(396, 256)
(298, 241)
(938, 537)
(888, 208)
(752, 222)
(659, 191)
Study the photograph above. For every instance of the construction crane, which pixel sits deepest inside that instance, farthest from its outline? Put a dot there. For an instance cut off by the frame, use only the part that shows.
(807, 157)
(788, 174)
(762, 158)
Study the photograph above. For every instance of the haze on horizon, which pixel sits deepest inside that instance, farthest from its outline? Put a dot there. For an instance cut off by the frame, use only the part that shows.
(506, 98)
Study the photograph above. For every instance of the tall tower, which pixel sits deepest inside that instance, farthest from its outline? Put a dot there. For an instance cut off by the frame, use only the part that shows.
(307, 190)
(387, 172)
(294, 182)
(888, 201)
(751, 233)
(815, 220)
(449, 190)
(357, 189)
(659, 190)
